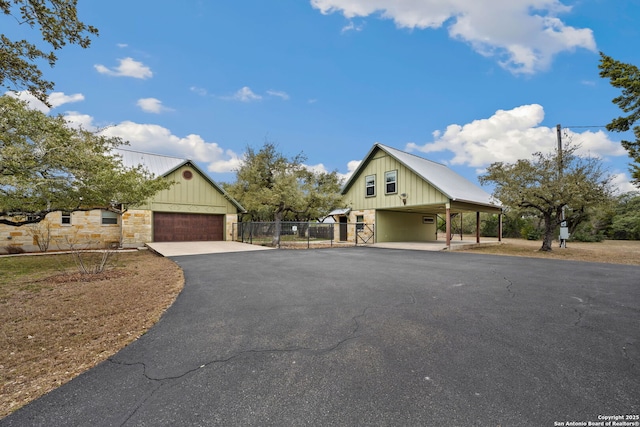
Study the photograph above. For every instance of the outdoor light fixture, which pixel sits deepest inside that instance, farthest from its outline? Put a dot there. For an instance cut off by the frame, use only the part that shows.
(403, 197)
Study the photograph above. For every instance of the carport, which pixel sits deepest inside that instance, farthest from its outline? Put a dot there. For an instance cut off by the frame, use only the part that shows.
(407, 224)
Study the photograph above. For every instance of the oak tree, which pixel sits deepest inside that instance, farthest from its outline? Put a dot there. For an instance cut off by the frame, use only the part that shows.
(58, 24)
(537, 187)
(274, 187)
(47, 166)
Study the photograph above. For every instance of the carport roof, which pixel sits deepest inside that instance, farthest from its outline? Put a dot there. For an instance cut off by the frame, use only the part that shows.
(454, 186)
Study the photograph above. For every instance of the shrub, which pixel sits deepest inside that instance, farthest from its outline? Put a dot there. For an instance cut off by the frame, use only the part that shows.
(585, 232)
(14, 249)
(530, 232)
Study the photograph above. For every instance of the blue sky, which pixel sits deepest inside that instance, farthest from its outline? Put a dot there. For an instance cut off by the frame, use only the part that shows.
(461, 82)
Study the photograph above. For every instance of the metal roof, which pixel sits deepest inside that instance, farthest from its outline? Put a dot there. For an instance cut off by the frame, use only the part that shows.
(161, 165)
(156, 164)
(343, 211)
(448, 182)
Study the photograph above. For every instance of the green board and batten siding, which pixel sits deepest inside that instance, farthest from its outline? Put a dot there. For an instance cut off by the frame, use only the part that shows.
(419, 192)
(195, 195)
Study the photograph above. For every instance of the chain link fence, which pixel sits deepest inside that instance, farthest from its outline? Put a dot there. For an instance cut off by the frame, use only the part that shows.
(303, 234)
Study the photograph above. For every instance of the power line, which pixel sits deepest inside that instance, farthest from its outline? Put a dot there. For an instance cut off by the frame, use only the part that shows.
(592, 126)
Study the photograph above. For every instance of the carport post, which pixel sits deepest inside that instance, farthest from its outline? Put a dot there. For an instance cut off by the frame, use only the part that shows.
(477, 227)
(448, 225)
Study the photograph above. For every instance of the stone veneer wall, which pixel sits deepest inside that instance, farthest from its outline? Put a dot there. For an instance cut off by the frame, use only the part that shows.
(369, 217)
(85, 232)
(228, 228)
(137, 228)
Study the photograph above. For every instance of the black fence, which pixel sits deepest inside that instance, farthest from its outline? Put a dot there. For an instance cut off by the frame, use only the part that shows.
(301, 234)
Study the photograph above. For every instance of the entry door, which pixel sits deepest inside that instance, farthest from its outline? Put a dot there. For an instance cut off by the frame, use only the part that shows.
(343, 228)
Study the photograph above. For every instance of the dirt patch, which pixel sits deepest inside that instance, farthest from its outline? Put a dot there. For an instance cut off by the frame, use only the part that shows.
(609, 251)
(56, 325)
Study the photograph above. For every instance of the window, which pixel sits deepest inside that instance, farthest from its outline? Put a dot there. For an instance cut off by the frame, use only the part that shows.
(370, 185)
(66, 218)
(391, 180)
(359, 222)
(109, 218)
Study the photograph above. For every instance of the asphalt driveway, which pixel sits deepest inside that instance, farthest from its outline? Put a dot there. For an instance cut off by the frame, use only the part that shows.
(366, 336)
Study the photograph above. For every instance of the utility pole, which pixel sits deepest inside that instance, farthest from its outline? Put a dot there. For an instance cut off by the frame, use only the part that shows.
(564, 230)
(559, 135)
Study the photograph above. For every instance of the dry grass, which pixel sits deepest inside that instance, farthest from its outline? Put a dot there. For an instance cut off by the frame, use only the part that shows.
(609, 251)
(56, 323)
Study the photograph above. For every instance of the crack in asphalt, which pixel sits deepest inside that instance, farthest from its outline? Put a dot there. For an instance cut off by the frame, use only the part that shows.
(580, 314)
(509, 287)
(578, 311)
(162, 381)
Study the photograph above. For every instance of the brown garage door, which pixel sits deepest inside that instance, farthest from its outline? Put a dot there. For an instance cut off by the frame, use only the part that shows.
(179, 227)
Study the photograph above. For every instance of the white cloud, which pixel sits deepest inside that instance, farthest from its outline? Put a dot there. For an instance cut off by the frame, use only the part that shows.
(321, 168)
(244, 94)
(122, 45)
(128, 67)
(157, 139)
(279, 94)
(351, 168)
(32, 102)
(56, 99)
(351, 26)
(198, 90)
(523, 35)
(152, 105)
(79, 120)
(510, 135)
(622, 184)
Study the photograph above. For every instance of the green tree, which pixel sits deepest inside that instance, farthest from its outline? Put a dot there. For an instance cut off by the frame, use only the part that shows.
(625, 221)
(57, 21)
(535, 187)
(625, 77)
(47, 166)
(273, 187)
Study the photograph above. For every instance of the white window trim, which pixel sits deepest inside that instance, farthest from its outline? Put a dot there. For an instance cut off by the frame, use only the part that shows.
(395, 182)
(367, 186)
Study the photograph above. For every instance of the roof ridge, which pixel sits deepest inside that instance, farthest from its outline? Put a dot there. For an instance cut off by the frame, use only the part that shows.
(153, 154)
(414, 155)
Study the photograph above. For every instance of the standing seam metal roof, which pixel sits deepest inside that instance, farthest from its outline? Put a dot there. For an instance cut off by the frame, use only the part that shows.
(161, 165)
(156, 164)
(451, 184)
